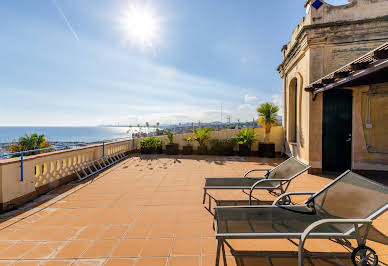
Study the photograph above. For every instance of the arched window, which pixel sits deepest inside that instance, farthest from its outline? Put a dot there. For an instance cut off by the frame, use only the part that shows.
(292, 109)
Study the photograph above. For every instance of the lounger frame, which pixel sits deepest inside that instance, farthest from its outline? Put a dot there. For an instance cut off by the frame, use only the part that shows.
(353, 233)
(282, 186)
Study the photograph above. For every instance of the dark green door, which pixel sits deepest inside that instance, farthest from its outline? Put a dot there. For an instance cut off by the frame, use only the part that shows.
(337, 130)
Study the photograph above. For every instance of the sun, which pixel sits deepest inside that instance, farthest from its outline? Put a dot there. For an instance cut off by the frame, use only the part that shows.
(141, 26)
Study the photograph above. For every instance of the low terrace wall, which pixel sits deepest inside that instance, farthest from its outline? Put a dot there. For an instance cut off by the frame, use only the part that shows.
(276, 137)
(46, 171)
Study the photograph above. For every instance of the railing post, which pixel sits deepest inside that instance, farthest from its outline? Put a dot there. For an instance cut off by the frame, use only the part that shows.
(103, 149)
(133, 143)
(21, 168)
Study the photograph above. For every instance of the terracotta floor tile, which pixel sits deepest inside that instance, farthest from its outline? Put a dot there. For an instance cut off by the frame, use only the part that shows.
(64, 233)
(119, 262)
(17, 250)
(100, 248)
(58, 262)
(151, 262)
(44, 250)
(91, 232)
(162, 230)
(209, 247)
(207, 229)
(129, 248)
(230, 260)
(6, 262)
(114, 232)
(188, 230)
(73, 249)
(152, 207)
(186, 261)
(138, 231)
(186, 246)
(156, 248)
(89, 262)
(5, 245)
(28, 263)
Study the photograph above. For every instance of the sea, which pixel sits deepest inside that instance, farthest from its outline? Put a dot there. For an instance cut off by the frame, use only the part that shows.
(69, 134)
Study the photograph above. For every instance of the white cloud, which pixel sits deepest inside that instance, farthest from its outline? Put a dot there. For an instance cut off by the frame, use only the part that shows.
(248, 98)
(278, 100)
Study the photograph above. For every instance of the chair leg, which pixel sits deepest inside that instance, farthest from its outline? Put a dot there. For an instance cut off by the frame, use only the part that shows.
(219, 243)
(223, 254)
(204, 196)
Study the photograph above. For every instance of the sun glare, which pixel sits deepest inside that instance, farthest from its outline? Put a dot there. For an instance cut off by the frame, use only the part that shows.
(141, 26)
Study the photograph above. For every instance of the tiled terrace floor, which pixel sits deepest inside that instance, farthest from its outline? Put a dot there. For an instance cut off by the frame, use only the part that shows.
(148, 211)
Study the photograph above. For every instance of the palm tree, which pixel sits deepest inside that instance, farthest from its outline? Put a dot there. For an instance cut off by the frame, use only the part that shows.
(29, 142)
(268, 116)
(157, 126)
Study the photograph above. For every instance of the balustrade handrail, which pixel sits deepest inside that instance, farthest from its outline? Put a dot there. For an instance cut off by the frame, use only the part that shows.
(56, 148)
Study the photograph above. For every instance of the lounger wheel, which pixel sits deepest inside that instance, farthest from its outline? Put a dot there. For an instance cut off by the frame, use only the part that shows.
(286, 200)
(364, 256)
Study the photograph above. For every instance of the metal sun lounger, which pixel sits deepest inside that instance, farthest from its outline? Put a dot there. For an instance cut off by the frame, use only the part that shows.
(278, 178)
(344, 209)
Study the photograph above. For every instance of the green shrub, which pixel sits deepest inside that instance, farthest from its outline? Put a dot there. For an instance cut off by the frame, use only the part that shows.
(170, 137)
(188, 139)
(222, 146)
(201, 136)
(151, 142)
(245, 137)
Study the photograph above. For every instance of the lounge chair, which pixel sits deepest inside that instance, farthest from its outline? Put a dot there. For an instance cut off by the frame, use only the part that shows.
(344, 209)
(276, 179)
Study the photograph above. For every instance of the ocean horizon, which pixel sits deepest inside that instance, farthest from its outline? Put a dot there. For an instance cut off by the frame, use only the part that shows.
(68, 134)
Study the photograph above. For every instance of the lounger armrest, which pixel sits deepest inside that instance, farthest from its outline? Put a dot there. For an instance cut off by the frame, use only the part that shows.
(261, 181)
(256, 170)
(355, 222)
(291, 193)
(311, 227)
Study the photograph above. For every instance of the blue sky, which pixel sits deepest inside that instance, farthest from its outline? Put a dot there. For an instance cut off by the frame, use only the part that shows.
(69, 62)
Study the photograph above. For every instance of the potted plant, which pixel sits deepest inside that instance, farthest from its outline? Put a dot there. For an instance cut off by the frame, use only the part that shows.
(171, 148)
(268, 116)
(151, 145)
(201, 136)
(188, 148)
(222, 146)
(245, 138)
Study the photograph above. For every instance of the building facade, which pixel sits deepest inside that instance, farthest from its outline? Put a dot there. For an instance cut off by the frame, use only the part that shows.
(328, 38)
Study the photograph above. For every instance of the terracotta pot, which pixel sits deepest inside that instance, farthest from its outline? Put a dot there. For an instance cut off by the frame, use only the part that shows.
(187, 150)
(172, 149)
(202, 150)
(244, 150)
(266, 150)
(150, 150)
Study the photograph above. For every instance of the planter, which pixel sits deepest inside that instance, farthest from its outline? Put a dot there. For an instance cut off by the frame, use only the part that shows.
(146, 150)
(159, 149)
(150, 150)
(244, 150)
(187, 150)
(226, 150)
(202, 150)
(172, 149)
(266, 150)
